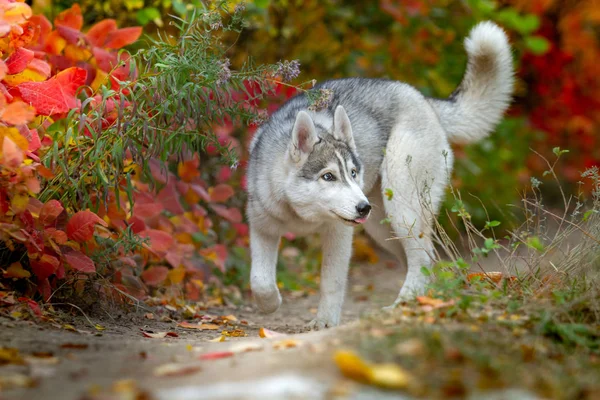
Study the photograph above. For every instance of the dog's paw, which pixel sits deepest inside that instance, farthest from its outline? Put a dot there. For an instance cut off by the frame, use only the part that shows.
(268, 301)
(318, 324)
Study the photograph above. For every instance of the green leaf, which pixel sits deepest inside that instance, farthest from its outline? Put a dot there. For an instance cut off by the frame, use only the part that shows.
(492, 224)
(389, 193)
(146, 15)
(262, 3)
(558, 152)
(425, 271)
(534, 242)
(538, 45)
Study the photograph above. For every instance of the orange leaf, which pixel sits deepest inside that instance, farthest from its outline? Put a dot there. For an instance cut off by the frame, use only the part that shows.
(12, 155)
(122, 37)
(19, 60)
(80, 262)
(80, 227)
(188, 170)
(57, 94)
(220, 193)
(434, 303)
(45, 266)
(71, 18)
(50, 211)
(18, 113)
(176, 275)
(59, 237)
(15, 13)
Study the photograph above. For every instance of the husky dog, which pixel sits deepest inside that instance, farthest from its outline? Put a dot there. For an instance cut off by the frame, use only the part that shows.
(379, 150)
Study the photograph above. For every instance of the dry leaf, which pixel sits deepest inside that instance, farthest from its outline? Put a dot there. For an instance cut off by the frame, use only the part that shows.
(201, 327)
(389, 376)
(9, 355)
(218, 339)
(159, 335)
(433, 302)
(77, 346)
(234, 333)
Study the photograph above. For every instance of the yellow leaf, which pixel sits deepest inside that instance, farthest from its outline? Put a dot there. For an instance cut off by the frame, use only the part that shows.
(16, 271)
(286, 344)
(19, 203)
(176, 275)
(14, 135)
(351, 365)
(100, 79)
(27, 75)
(389, 376)
(99, 327)
(218, 339)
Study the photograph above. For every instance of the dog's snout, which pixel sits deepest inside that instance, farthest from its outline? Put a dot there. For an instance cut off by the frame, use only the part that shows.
(363, 208)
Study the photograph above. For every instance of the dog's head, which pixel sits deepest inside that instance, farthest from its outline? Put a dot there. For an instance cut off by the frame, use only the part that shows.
(325, 177)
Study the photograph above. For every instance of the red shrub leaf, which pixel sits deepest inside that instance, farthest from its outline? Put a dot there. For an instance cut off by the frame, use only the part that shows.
(80, 227)
(19, 60)
(122, 37)
(98, 33)
(220, 193)
(57, 94)
(160, 241)
(80, 262)
(71, 18)
(230, 214)
(50, 211)
(45, 266)
(154, 276)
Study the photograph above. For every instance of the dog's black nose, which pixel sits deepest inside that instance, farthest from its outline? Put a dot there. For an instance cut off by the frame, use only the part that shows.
(363, 208)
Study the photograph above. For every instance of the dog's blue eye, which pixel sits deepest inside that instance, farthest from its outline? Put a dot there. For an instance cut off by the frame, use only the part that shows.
(328, 177)
(354, 173)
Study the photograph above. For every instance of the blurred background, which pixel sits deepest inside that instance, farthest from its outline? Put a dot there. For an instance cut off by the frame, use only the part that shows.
(556, 107)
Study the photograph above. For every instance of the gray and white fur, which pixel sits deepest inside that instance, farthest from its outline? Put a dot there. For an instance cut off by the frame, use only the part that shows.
(327, 171)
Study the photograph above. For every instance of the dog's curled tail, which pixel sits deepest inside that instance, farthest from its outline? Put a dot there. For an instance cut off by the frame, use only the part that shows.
(477, 105)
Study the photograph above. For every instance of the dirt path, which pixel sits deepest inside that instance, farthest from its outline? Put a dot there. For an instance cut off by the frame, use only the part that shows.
(84, 365)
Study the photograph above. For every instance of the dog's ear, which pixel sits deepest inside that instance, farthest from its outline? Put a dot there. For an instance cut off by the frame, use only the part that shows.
(342, 130)
(304, 137)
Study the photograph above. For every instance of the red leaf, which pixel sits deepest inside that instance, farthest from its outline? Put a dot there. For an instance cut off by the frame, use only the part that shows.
(45, 266)
(81, 226)
(154, 276)
(98, 33)
(72, 36)
(80, 262)
(122, 37)
(58, 236)
(220, 193)
(160, 241)
(57, 94)
(216, 355)
(19, 60)
(230, 214)
(50, 211)
(71, 18)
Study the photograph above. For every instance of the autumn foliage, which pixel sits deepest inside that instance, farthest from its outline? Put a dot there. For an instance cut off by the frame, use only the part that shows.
(43, 68)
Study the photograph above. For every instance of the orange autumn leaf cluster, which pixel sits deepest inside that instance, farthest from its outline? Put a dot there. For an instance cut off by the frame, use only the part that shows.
(43, 68)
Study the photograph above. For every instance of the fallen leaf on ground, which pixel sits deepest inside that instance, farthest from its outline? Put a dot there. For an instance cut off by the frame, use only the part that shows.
(433, 302)
(172, 369)
(216, 355)
(15, 381)
(234, 333)
(77, 346)
(9, 355)
(493, 276)
(286, 344)
(149, 316)
(159, 335)
(267, 334)
(202, 327)
(218, 339)
(242, 347)
(389, 376)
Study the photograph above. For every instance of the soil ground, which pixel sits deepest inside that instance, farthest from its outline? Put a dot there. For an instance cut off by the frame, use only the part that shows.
(89, 364)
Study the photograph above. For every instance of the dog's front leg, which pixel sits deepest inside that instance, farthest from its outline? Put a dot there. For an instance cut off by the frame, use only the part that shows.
(337, 249)
(263, 279)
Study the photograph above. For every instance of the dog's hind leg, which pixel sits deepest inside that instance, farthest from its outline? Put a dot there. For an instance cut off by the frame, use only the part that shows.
(416, 169)
(379, 230)
(337, 249)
